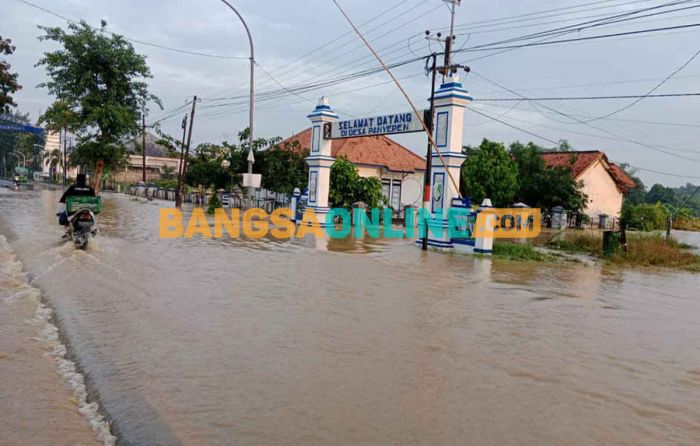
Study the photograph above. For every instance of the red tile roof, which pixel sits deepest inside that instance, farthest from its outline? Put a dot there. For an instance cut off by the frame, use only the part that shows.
(579, 161)
(368, 150)
(625, 182)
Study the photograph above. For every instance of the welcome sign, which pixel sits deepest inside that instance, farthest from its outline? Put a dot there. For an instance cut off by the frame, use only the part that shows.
(389, 124)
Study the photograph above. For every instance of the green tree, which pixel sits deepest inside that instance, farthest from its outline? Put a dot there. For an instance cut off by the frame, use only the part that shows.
(205, 166)
(369, 191)
(343, 184)
(8, 80)
(347, 187)
(638, 194)
(542, 186)
(11, 141)
(284, 168)
(489, 172)
(661, 194)
(100, 79)
(214, 203)
(645, 217)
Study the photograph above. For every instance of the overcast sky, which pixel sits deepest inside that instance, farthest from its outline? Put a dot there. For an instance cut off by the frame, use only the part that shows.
(307, 41)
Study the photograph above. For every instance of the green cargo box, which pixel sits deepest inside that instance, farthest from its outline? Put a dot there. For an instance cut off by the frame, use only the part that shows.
(74, 204)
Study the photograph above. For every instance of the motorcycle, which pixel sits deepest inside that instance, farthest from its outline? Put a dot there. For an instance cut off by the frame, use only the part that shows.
(82, 223)
(81, 226)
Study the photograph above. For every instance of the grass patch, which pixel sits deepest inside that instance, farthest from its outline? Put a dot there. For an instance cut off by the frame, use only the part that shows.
(655, 250)
(583, 242)
(687, 224)
(643, 249)
(514, 251)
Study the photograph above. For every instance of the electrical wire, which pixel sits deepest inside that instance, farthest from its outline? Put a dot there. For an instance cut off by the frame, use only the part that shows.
(651, 147)
(649, 93)
(141, 42)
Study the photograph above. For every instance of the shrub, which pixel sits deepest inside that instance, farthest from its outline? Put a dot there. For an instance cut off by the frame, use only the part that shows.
(645, 217)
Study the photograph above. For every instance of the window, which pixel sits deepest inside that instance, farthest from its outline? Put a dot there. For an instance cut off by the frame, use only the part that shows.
(396, 195)
(386, 188)
(313, 179)
(441, 129)
(316, 139)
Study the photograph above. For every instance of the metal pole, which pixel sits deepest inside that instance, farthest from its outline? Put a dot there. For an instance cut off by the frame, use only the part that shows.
(178, 192)
(449, 41)
(429, 155)
(143, 145)
(65, 141)
(251, 160)
(189, 140)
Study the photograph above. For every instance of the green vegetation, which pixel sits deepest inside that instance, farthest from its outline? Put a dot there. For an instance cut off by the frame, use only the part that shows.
(579, 242)
(687, 223)
(490, 172)
(348, 187)
(284, 168)
(214, 203)
(643, 249)
(544, 187)
(649, 210)
(98, 81)
(520, 252)
(25, 146)
(644, 217)
(205, 167)
(166, 183)
(519, 175)
(8, 80)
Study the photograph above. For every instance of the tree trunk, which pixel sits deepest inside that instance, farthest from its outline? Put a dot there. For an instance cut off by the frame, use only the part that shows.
(99, 169)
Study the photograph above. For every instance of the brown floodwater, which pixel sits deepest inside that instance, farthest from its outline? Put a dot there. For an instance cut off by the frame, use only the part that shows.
(266, 342)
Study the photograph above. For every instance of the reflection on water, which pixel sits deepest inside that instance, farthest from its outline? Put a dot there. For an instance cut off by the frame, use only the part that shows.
(272, 342)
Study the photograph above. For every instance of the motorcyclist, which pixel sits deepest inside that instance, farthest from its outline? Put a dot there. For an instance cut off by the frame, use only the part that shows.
(79, 189)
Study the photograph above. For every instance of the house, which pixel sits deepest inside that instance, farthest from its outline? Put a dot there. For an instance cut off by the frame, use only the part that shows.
(400, 170)
(604, 182)
(161, 161)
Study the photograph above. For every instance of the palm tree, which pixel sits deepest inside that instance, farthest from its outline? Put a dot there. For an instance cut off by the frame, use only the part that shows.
(55, 160)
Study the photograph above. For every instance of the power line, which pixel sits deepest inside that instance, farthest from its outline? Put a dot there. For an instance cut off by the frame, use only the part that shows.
(588, 98)
(581, 39)
(649, 93)
(588, 124)
(568, 131)
(493, 118)
(611, 19)
(286, 68)
(557, 143)
(141, 42)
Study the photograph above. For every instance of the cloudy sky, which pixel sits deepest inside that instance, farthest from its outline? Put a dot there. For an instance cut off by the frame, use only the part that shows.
(306, 42)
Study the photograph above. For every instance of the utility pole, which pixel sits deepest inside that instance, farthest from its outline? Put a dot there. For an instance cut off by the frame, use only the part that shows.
(446, 70)
(187, 147)
(178, 196)
(65, 156)
(143, 144)
(429, 154)
(449, 40)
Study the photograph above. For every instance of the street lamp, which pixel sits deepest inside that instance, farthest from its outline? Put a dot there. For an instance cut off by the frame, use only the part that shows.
(251, 157)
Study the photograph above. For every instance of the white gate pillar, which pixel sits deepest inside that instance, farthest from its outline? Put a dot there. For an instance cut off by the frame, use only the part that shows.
(448, 123)
(320, 160)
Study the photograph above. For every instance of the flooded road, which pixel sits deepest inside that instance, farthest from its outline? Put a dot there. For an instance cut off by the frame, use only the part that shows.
(263, 342)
